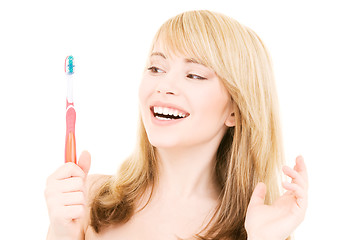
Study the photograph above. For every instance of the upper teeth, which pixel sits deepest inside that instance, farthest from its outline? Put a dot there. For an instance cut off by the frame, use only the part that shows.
(168, 111)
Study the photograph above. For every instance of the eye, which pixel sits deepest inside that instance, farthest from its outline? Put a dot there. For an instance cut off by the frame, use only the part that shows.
(194, 76)
(154, 69)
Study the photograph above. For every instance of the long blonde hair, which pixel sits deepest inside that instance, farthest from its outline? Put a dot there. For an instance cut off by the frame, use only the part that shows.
(250, 152)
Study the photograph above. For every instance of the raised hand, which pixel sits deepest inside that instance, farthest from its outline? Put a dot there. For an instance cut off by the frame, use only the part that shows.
(279, 220)
(65, 196)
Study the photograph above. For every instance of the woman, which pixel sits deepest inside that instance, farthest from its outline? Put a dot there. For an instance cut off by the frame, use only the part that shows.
(209, 153)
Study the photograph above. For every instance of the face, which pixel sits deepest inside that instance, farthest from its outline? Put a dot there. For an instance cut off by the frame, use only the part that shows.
(182, 102)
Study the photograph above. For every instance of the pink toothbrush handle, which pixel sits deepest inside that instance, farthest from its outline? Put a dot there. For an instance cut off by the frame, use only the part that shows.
(70, 148)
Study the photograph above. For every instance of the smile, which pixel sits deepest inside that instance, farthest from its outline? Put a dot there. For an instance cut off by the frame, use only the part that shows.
(168, 114)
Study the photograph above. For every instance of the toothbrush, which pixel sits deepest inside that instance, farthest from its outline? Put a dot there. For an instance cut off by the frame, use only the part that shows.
(70, 148)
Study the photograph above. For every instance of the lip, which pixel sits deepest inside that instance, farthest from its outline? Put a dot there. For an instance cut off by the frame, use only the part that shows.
(167, 105)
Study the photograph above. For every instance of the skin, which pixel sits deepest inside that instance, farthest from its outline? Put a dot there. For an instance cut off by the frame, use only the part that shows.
(186, 192)
(278, 221)
(66, 198)
(186, 149)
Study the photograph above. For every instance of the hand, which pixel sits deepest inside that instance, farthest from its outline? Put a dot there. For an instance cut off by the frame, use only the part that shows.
(279, 220)
(66, 198)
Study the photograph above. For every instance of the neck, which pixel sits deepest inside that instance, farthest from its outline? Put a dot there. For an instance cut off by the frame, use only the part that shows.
(188, 172)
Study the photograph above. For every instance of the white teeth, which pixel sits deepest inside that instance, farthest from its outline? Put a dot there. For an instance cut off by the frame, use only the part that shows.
(165, 111)
(168, 111)
(162, 118)
(175, 113)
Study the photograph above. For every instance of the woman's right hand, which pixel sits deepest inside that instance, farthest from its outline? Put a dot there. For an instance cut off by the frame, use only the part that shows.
(65, 195)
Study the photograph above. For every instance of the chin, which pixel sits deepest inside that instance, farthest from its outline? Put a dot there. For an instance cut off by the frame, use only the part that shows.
(162, 143)
(160, 140)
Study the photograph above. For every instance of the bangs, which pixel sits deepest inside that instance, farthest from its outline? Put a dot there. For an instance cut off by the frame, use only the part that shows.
(189, 35)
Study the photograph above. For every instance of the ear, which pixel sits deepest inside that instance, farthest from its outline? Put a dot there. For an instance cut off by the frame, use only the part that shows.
(230, 121)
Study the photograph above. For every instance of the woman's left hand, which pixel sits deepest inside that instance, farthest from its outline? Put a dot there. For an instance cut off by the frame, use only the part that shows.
(279, 220)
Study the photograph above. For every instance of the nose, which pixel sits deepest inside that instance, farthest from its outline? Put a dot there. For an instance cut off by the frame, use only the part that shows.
(168, 84)
(165, 92)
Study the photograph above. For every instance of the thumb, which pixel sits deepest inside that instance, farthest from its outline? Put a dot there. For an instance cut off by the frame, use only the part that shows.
(85, 161)
(258, 195)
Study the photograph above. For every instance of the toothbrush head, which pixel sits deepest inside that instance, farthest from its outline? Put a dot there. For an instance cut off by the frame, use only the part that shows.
(69, 65)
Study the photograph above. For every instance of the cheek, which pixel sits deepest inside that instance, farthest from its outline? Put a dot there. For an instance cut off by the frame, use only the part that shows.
(213, 106)
(144, 90)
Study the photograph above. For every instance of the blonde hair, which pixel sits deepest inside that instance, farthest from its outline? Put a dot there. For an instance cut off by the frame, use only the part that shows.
(250, 152)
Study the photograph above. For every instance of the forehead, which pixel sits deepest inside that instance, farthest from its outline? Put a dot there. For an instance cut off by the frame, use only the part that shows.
(167, 51)
(186, 59)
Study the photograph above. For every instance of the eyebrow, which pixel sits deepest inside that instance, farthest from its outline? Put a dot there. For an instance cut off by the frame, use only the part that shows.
(192, 60)
(187, 60)
(158, 54)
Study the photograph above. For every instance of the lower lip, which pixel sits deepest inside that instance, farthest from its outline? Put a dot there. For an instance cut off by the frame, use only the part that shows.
(165, 122)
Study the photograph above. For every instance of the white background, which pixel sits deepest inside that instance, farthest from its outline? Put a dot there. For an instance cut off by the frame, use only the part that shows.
(110, 42)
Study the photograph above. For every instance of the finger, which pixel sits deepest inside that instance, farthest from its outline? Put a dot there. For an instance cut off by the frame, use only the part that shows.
(258, 195)
(85, 161)
(299, 193)
(72, 198)
(73, 212)
(72, 184)
(68, 170)
(295, 176)
(301, 168)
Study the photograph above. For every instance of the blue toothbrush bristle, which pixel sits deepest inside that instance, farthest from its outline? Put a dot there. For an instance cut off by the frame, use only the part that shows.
(70, 65)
